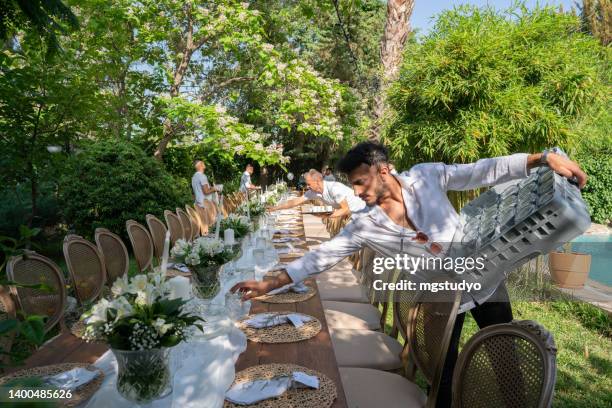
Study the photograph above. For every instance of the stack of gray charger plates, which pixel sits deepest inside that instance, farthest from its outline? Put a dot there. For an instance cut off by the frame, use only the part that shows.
(515, 222)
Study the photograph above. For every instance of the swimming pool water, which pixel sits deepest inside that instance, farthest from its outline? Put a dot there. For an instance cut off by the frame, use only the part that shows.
(600, 248)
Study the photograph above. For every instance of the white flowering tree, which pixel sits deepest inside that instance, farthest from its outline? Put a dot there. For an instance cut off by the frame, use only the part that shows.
(187, 41)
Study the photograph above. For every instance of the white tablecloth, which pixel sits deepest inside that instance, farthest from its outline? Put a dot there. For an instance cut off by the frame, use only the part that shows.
(204, 371)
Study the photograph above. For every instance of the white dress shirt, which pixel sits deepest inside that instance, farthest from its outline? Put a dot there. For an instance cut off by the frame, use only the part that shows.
(334, 193)
(245, 182)
(424, 190)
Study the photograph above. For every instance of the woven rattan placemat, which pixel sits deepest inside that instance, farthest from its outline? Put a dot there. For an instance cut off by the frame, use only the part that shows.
(323, 397)
(80, 395)
(282, 333)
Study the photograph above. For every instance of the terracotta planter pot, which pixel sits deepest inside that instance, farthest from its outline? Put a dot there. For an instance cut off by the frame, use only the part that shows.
(569, 270)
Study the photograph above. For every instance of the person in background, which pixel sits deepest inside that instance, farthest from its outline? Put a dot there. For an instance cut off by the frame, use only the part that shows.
(245, 180)
(329, 176)
(201, 191)
(333, 193)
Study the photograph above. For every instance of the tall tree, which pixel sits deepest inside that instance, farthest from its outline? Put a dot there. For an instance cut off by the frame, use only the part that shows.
(392, 44)
(597, 18)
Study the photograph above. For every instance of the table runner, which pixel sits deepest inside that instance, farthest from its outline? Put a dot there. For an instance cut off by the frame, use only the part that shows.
(204, 371)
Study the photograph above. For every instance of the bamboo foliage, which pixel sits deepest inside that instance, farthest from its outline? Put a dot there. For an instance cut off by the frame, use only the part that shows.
(486, 83)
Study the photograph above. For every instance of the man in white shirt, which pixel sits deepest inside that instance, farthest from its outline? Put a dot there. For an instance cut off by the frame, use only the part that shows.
(201, 190)
(340, 197)
(245, 180)
(412, 214)
(329, 176)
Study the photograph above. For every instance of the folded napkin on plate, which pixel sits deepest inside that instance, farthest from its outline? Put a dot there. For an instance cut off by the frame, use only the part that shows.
(263, 320)
(72, 379)
(284, 231)
(251, 392)
(179, 267)
(287, 250)
(299, 287)
(285, 239)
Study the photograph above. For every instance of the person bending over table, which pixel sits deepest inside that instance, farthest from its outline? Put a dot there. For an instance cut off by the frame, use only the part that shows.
(410, 213)
(333, 193)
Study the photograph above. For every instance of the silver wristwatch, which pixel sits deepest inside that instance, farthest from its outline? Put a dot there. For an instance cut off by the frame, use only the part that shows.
(544, 157)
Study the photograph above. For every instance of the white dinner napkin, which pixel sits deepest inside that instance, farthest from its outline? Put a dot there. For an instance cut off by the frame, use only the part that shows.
(262, 320)
(299, 287)
(288, 249)
(285, 239)
(284, 231)
(179, 267)
(251, 392)
(71, 379)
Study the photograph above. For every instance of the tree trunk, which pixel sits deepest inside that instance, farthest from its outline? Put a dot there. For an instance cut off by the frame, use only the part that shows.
(179, 73)
(392, 44)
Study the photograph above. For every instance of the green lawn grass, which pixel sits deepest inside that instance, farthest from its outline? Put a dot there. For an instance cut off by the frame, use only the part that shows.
(584, 363)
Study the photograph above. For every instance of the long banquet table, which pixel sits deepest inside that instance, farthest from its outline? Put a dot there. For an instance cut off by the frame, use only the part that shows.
(316, 353)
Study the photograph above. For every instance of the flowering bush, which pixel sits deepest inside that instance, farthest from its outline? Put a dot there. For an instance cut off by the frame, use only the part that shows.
(239, 223)
(202, 252)
(142, 314)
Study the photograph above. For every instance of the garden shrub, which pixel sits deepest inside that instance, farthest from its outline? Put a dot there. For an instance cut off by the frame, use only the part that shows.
(113, 181)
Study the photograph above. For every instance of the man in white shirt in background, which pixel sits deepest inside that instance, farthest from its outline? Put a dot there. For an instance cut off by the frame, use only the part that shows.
(201, 190)
(329, 176)
(340, 197)
(411, 214)
(245, 180)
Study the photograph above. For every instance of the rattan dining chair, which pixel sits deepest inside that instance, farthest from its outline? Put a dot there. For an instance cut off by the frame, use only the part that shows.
(510, 365)
(8, 310)
(86, 267)
(174, 225)
(158, 230)
(185, 223)
(142, 244)
(211, 212)
(429, 321)
(196, 221)
(31, 268)
(114, 253)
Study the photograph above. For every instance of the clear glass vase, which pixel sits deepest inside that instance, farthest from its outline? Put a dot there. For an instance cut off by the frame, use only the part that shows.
(143, 375)
(206, 281)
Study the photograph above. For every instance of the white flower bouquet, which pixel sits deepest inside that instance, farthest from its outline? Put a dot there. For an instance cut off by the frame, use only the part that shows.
(203, 256)
(141, 321)
(239, 223)
(143, 313)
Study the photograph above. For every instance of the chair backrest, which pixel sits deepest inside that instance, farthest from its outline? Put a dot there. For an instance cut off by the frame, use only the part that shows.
(185, 223)
(158, 234)
(211, 212)
(174, 225)
(142, 244)
(429, 332)
(506, 365)
(86, 267)
(8, 311)
(31, 268)
(196, 222)
(114, 253)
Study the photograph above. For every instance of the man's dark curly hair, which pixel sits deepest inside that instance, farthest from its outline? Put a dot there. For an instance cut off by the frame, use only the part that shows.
(370, 153)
